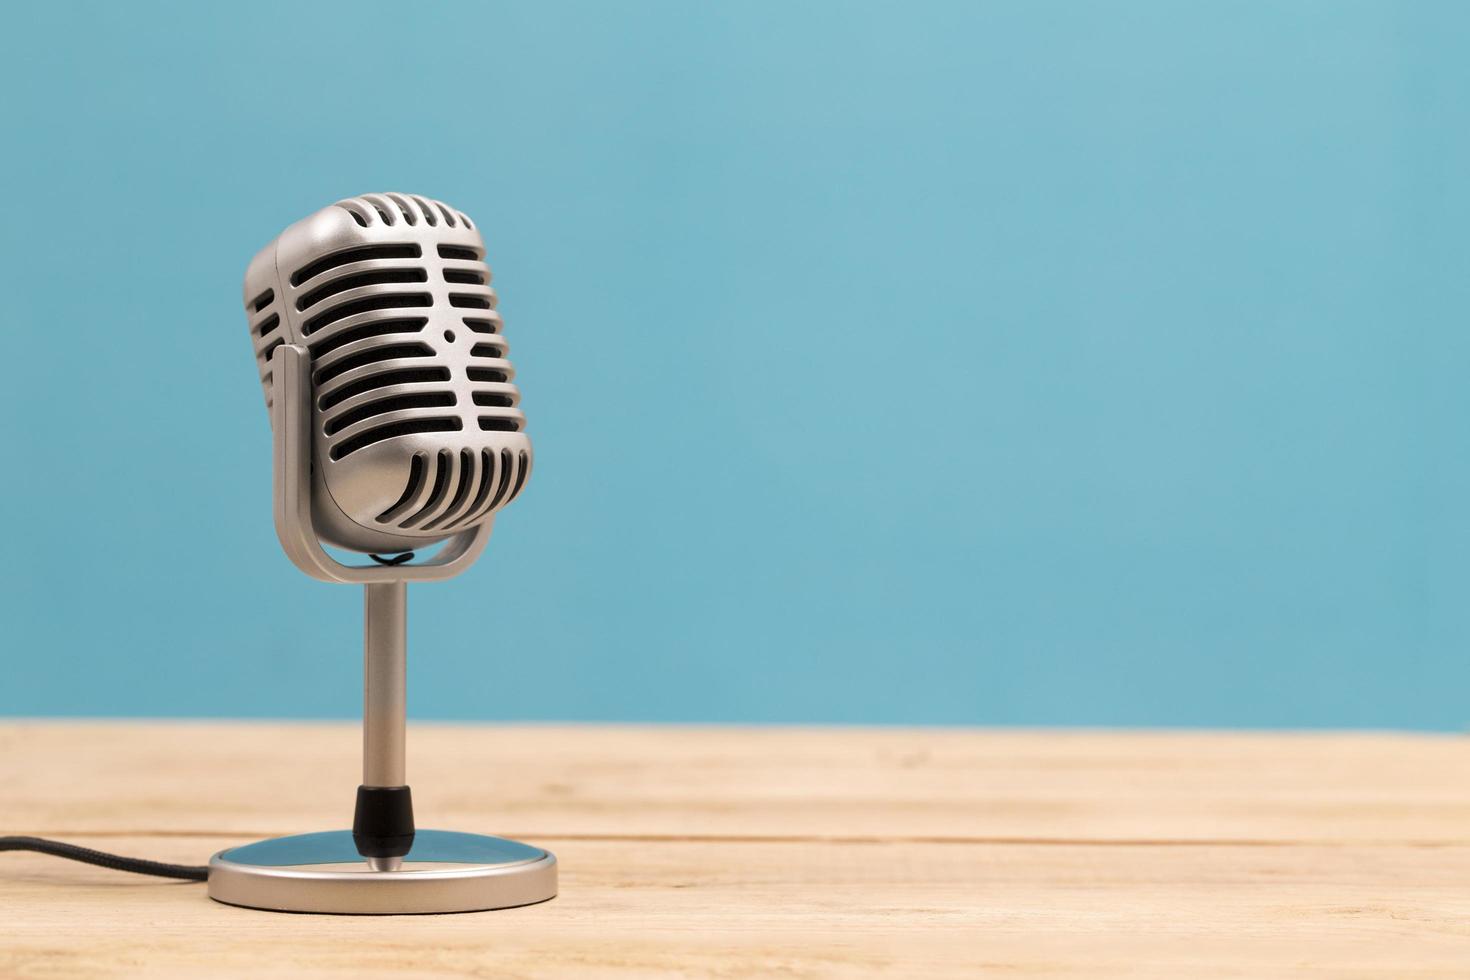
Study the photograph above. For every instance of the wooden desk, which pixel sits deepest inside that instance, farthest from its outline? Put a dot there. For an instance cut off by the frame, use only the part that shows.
(771, 852)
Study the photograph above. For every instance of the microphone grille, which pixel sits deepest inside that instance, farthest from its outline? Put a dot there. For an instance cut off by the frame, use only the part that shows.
(417, 419)
(481, 483)
(264, 315)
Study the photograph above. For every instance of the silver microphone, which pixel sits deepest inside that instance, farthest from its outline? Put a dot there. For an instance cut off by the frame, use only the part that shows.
(416, 422)
(395, 426)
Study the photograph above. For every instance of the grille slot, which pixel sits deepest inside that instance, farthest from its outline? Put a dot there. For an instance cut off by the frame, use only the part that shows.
(522, 472)
(487, 483)
(489, 399)
(488, 350)
(479, 325)
(368, 304)
(406, 208)
(501, 477)
(375, 277)
(486, 374)
(494, 423)
(384, 406)
(464, 276)
(467, 476)
(323, 346)
(458, 252)
(505, 474)
(441, 486)
(392, 430)
(410, 491)
(263, 315)
(358, 216)
(465, 301)
(371, 356)
(362, 253)
(497, 477)
(382, 380)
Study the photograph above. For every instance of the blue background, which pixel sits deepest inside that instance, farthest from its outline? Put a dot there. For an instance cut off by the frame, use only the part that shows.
(1025, 363)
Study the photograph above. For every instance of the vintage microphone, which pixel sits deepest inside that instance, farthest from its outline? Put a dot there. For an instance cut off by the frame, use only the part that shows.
(396, 427)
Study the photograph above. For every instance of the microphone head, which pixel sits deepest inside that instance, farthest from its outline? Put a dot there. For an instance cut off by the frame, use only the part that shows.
(418, 433)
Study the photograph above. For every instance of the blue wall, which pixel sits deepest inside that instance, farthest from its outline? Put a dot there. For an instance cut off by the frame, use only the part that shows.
(946, 363)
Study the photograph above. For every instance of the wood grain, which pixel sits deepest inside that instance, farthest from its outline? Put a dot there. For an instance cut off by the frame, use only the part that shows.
(759, 852)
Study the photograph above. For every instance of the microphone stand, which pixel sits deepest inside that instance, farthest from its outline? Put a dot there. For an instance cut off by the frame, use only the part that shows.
(383, 865)
(384, 665)
(384, 714)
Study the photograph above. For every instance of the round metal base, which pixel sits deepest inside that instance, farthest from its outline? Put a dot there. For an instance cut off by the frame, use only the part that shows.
(445, 872)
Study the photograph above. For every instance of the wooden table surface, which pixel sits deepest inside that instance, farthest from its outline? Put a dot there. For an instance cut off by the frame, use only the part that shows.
(792, 852)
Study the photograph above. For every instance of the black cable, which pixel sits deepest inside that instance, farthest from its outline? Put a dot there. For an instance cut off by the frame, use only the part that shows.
(141, 866)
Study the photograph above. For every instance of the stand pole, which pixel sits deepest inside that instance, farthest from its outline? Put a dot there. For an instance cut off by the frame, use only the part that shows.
(383, 825)
(384, 697)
